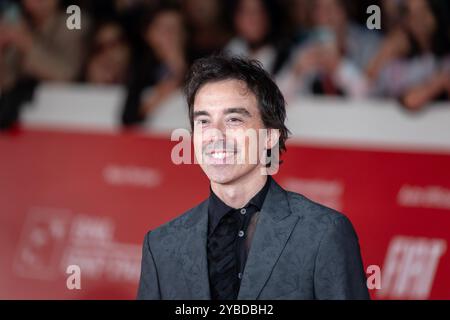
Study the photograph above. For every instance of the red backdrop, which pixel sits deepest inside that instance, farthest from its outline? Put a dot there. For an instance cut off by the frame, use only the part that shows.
(89, 198)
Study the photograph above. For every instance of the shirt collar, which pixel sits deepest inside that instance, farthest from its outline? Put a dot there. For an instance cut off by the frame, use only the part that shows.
(217, 208)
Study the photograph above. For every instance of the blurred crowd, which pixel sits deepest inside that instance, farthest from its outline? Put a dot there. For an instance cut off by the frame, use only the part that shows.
(321, 47)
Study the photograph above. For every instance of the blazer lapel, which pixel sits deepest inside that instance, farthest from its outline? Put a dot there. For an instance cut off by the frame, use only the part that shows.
(193, 253)
(272, 232)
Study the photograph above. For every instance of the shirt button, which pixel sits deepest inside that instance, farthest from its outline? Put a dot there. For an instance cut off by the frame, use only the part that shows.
(240, 275)
(241, 233)
(243, 211)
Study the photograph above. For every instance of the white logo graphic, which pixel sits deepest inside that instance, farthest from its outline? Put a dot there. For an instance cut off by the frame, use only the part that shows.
(327, 192)
(436, 197)
(53, 239)
(138, 176)
(42, 243)
(410, 266)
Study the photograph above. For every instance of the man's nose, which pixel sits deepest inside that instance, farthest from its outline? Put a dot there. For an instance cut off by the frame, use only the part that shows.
(216, 132)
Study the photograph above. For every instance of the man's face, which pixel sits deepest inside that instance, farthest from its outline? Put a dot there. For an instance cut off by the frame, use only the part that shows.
(224, 111)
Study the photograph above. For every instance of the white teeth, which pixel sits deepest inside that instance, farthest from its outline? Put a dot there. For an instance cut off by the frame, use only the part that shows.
(220, 155)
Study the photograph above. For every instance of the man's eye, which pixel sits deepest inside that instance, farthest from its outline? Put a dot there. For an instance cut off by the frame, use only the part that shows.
(202, 121)
(235, 120)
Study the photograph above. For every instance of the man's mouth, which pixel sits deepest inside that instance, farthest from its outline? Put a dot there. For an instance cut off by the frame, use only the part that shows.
(221, 154)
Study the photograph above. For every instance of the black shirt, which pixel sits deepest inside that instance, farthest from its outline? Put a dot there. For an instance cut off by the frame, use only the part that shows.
(218, 209)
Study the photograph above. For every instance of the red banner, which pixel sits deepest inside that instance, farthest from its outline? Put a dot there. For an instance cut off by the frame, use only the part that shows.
(87, 199)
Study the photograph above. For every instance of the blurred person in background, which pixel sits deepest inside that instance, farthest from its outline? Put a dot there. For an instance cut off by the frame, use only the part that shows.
(391, 13)
(109, 59)
(126, 13)
(35, 45)
(300, 22)
(206, 27)
(333, 55)
(160, 69)
(413, 63)
(254, 24)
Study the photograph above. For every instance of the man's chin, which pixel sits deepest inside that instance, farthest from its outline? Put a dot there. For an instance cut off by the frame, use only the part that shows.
(221, 179)
(218, 174)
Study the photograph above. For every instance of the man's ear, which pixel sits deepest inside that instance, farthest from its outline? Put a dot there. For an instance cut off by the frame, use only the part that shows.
(272, 138)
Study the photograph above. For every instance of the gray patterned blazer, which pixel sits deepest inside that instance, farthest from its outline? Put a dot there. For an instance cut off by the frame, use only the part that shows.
(300, 250)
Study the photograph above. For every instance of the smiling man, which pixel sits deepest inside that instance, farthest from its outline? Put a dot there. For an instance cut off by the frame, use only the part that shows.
(250, 239)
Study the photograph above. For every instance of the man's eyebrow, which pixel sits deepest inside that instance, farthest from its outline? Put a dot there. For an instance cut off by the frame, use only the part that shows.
(200, 113)
(239, 110)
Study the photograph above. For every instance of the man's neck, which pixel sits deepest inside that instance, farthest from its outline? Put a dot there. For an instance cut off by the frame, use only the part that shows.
(238, 193)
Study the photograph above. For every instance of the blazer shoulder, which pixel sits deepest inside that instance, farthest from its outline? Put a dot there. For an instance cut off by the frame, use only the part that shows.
(315, 212)
(176, 223)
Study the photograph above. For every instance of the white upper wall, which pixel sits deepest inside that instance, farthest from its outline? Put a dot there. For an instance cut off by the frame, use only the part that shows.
(325, 120)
